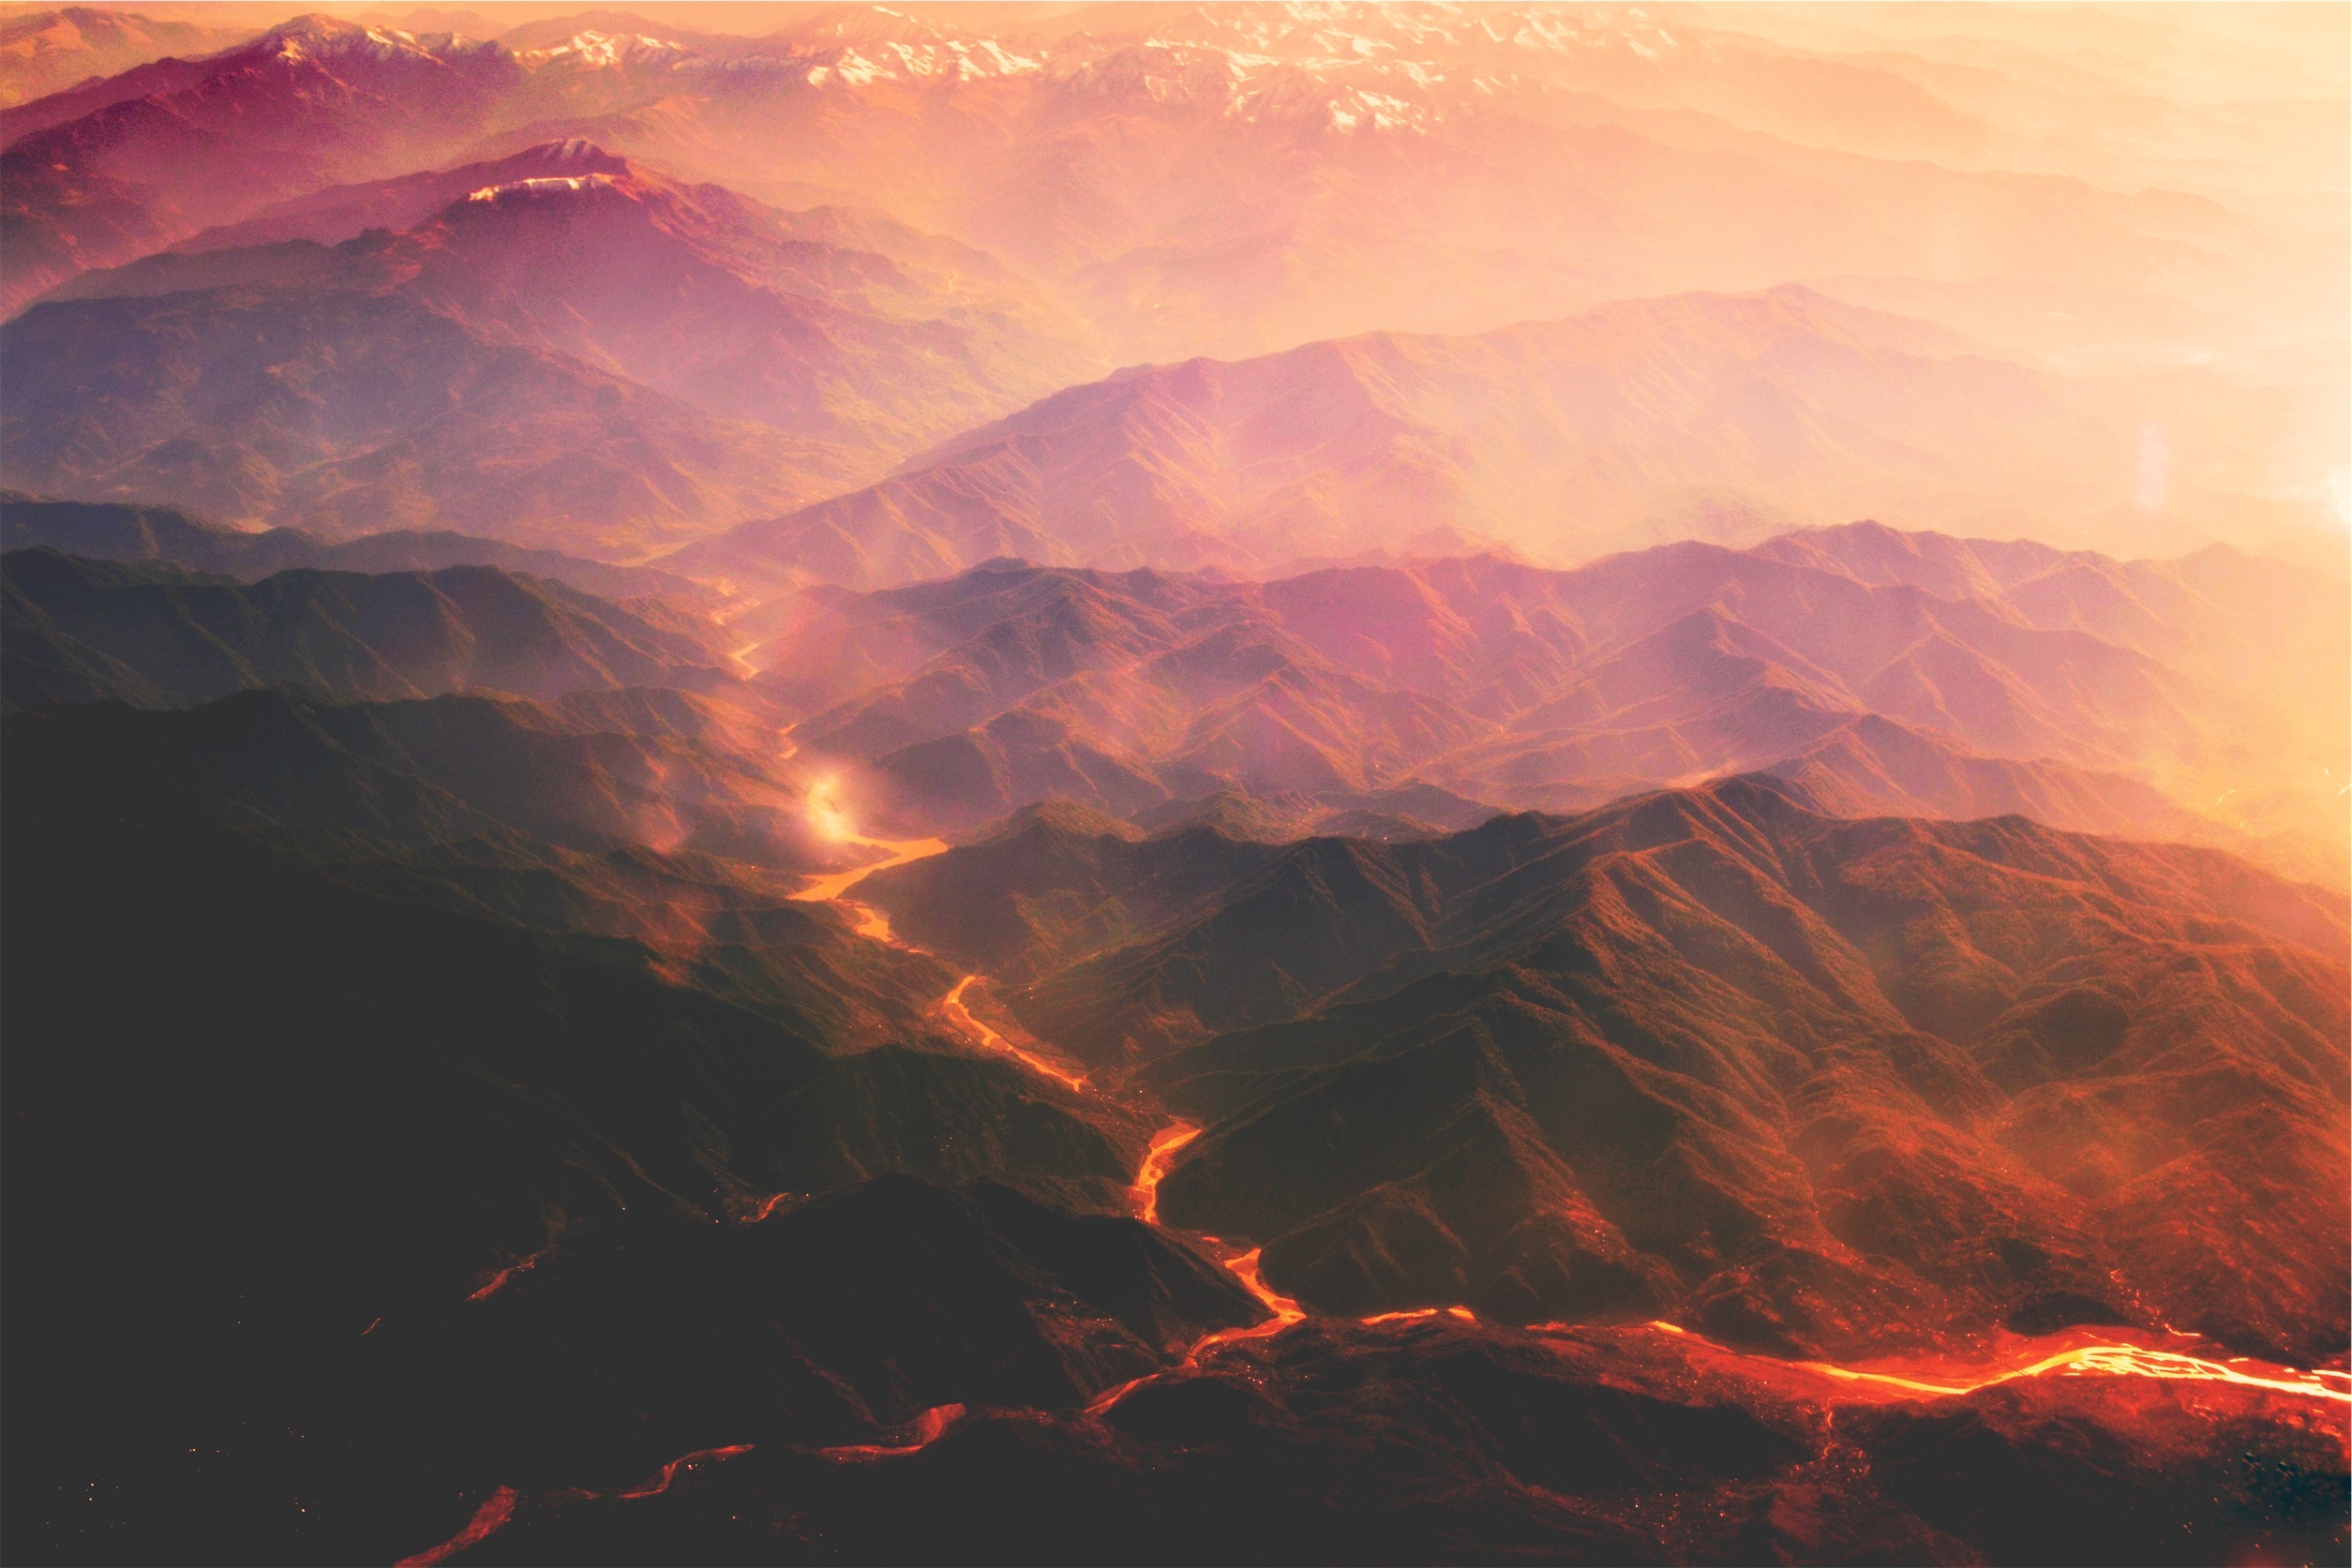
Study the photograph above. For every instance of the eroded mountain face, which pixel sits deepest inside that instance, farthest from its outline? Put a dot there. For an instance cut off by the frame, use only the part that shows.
(981, 785)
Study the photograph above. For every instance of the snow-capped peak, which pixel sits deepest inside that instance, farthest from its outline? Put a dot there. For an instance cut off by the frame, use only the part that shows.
(594, 51)
(322, 37)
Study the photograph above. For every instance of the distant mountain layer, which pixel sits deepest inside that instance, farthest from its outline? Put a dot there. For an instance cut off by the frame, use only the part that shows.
(118, 167)
(159, 636)
(1238, 183)
(1234, 180)
(1708, 1055)
(1501, 682)
(1631, 424)
(557, 348)
(43, 52)
(1230, 181)
(117, 532)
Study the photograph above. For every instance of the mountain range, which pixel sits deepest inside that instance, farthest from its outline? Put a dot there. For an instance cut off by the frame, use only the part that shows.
(1894, 686)
(1233, 178)
(1236, 186)
(682, 1249)
(115, 169)
(704, 1080)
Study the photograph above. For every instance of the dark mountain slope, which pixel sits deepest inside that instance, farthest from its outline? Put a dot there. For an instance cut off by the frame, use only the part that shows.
(338, 1116)
(1058, 881)
(1423, 1440)
(657, 769)
(114, 532)
(154, 634)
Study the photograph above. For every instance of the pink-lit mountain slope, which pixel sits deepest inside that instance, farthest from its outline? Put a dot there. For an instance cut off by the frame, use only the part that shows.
(1503, 682)
(1238, 181)
(1631, 422)
(2274, 633)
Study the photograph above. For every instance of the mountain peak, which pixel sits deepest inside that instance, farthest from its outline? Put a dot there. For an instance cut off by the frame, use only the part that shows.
(318, 35)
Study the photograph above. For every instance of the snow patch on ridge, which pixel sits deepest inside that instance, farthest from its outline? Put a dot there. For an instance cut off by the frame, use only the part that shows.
(543, 185)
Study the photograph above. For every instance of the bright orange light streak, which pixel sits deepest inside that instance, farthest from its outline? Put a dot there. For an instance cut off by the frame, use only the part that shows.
(2135, 1361)
(930, 1426)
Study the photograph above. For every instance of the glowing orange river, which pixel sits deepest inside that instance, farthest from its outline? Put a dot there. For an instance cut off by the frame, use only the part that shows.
(826, 889)
(1164, 1149)
(2112, 1360)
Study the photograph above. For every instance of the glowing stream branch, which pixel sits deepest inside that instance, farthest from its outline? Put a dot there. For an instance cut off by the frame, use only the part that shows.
(951, 1006)
(930, 1426)
(498, 1510)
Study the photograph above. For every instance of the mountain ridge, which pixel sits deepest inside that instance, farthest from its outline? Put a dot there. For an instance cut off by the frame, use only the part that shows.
(1622, 425)
(962, 699)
